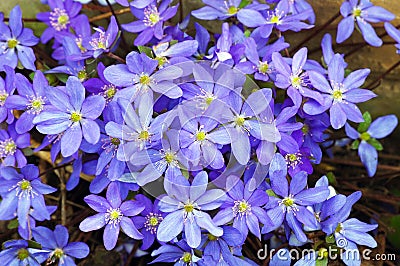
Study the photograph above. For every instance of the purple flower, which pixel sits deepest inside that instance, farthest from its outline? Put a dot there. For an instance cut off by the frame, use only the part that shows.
(148, 220)
(18, 252)
(362, 12)
(243, 205)
(289, 205)
(55, 243)
(186, 205)
(100, 86)
(294, 78)
(31, 98)
(11, 145)
(340, 94)
(20, 192)
(280, 18)
(181, 254)
(366, 139)
(219, 249)
(74, 116)
(113, 214)
(394, 33)
(101, 41)
(7, 88)
(15, 42)
(139, 77)
(262, 69)
(62, 16)
(151, 21)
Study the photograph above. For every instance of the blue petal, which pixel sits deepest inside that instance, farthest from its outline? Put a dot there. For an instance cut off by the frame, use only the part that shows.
(369, 157)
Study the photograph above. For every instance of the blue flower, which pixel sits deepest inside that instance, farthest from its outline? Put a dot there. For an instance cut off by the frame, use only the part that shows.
(113, 214)
(11, 145)
(151, 21)
(290, 204)
(366, 139)
(139, 77)
(74, 116)
(279, 18)
(244, 206)
(186, 205)
(20, 192)
(340, 94)
(55, 243)
(362, 12)
(60, 19)
(16, 42)
(181, 254)
(148, 220)
(18, 252)
(31, 98)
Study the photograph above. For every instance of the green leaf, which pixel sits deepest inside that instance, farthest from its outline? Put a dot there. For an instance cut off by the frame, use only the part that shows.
(355, 144)
(32, 75)
(146, 50)
(321, 262)
(244, 3)
(27, 151)
(330, 239)
(375, 143)
(62, 77)
(271, 193)
(12, 224)
(394, 226)
(363, 126)
(331, 178)
(33, 244)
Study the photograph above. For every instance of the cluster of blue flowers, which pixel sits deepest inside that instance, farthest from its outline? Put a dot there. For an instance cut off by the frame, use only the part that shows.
(196, 141)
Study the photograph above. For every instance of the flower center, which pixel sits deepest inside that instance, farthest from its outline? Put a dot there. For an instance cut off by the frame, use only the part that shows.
(82, 75)
(3, 97)
(144, 79)
(239, 121)
(337, 95)
(22, 254)
(7, 147)
(151, 16)
(36, 105)
(200, 135)
(288, 202)
(209, 100)
(25, 185)
(115, 141)
(241, 207)
(113, 216)
(275, 19)
(365, 136)
(189, 207)
(76, 117)
(293, 159)
(58, 253)
(263, 67)
(12, 43)
(187, 257)
(101, 41)
(357, 12)
(59, 19)
(144, 135)
(152, 222)
(232, 10)
(296, 81)
(169, 157)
